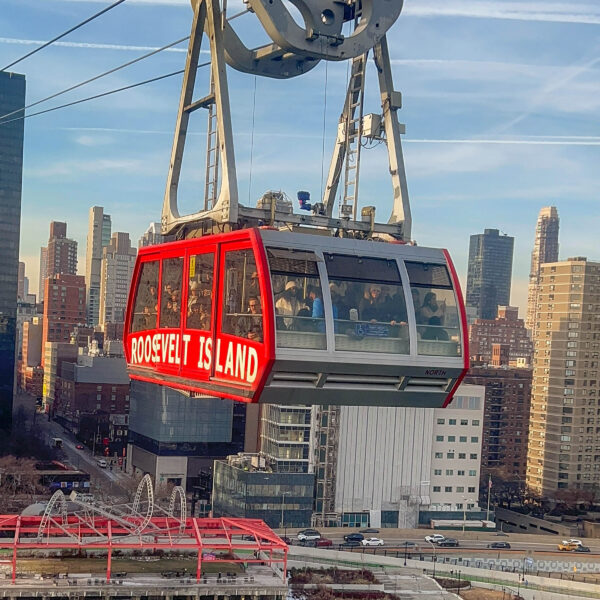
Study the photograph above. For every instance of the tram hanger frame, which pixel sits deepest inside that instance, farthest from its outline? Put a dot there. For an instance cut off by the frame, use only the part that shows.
(287, 57)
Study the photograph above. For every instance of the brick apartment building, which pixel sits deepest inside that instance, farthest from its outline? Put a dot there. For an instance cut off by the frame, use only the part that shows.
(506, 415)
(506, 329)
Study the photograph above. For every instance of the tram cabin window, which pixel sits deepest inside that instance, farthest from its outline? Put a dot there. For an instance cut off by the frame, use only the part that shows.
(242, 313)
(170, 294)
(146, 298)
(436, 310)
(200, 291)
(369, 304)
(298, 297)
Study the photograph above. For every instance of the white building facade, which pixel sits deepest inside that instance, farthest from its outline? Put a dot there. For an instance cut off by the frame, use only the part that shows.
(118, 262)
(397, 467)
(456, 451)
(98, 237)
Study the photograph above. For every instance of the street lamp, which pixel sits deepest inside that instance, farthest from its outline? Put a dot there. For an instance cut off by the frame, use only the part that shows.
(465, 511)
(434, 555)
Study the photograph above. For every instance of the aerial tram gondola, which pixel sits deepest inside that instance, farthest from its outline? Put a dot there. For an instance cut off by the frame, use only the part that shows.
(267, 305)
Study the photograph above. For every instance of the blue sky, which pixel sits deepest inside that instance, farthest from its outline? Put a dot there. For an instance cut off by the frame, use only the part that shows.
(501, 103)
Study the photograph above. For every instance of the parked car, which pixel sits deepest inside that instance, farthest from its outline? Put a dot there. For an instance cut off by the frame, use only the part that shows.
(435, 538)
(370, 530)
(573, 542)
(307, 535)
(372, 542)
(351, 537)
(323, 543)
(408, 544)
(286, 539)
(102, 463)
(499, 545)
(448, 543)
(566, 547)
(582, 549)
(79, 446)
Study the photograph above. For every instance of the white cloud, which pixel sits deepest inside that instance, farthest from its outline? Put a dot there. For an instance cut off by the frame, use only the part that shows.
(93, 140)
(571, 12)
(76, 168)
(93, 46)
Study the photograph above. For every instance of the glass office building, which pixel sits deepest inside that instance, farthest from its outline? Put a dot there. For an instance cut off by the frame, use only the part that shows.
(489, 273)
(12, 97)
(279, 499)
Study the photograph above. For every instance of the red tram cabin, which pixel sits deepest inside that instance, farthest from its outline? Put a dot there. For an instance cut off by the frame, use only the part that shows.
(293, 318)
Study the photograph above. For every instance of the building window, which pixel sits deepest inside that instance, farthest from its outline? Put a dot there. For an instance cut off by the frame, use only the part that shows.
(441, 421)
(437, 472)
(476, 422)
(451, 421)
(450, 455)
(462, 455)
(462, 438)
(439, 438)
(472, 473)
(474, 439)
(471, 490)
(448, 488)
(439, 455)
(473, 456)
(464, 422)
(451, 438)
(449, 472)
(437, 488)
(460, 489)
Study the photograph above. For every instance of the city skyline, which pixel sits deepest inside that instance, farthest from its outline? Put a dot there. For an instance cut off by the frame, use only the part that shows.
(486, 136)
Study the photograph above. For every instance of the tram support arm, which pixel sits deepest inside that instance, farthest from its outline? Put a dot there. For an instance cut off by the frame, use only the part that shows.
(401, 206)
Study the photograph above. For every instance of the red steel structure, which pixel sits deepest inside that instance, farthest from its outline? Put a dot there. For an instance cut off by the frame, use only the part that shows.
(207, 537)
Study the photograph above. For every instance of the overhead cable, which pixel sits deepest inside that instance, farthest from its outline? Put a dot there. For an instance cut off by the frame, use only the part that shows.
(78, 85)
(102, 95)
(62, 35)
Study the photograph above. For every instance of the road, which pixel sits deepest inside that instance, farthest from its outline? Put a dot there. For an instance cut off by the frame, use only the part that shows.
(108, 481)
(471, 547)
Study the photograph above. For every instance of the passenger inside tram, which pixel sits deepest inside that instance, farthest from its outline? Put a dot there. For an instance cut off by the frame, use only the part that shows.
(436, 310)
(299, 309)
(242, 314)
(288, 305)
(200, 285)
(146, 299)
(250, 324)
(172, 271)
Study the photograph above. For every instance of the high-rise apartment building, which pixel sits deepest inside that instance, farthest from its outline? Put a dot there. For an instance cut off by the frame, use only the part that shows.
(506, 415)
(12, 98)
(285, 436)
(61, 251)
(152, 236)
(564, 430)
(64, 307)
(545, 250)
(506, 329)
(98, 237)
(118, 261)
(43, 272)
(23, 283)
(489, 273)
